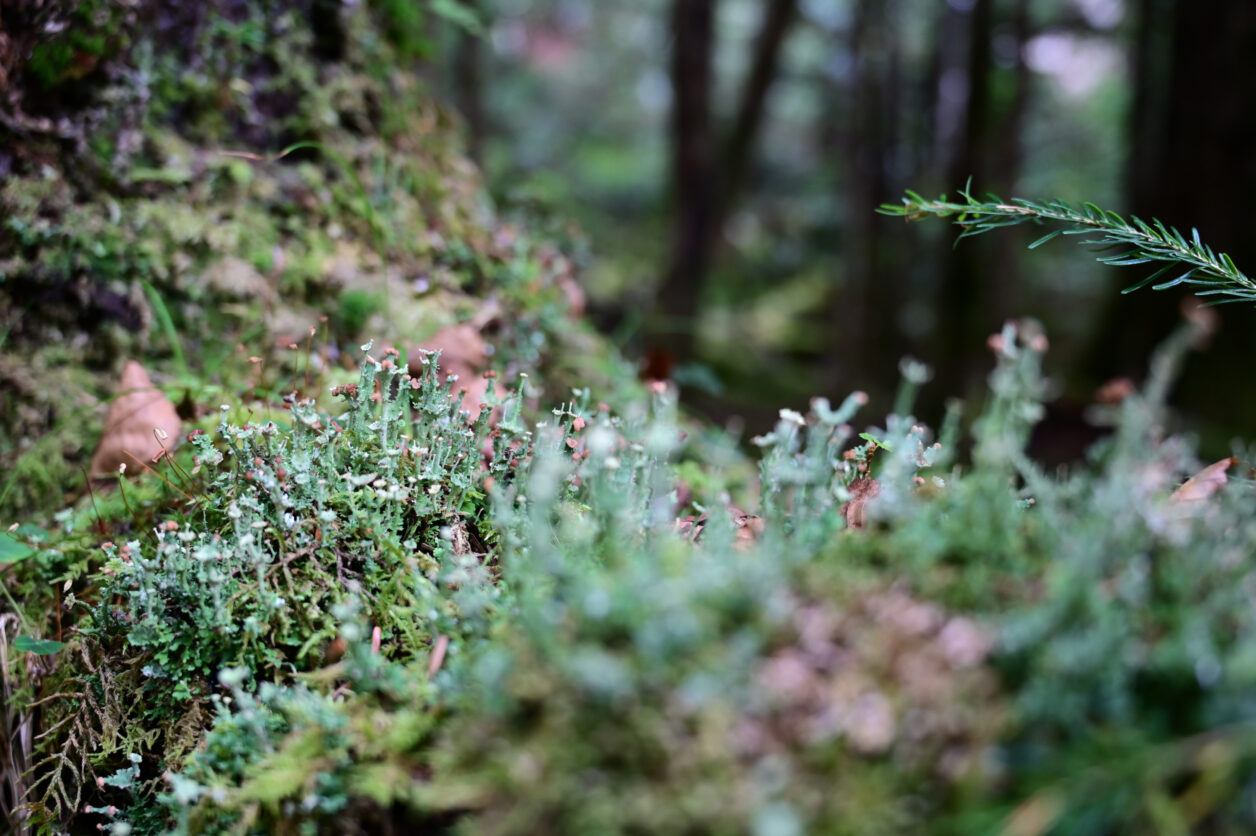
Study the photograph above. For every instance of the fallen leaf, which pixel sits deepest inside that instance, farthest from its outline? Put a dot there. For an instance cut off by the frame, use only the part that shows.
(748, 526)
(463, 353)
(1205, 483)
(855, 510)
(131, 429)
(690, 527)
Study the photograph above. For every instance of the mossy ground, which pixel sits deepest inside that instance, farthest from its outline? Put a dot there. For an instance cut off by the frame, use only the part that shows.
(168, 227)
(343, 606)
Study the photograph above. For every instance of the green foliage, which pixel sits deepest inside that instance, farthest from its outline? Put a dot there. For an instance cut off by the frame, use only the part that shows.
(895, 643)
(1123, 242)
(40, 647)
(290, 523)
(185, 240)
(12, 550)
(381, 616)
(93, 31)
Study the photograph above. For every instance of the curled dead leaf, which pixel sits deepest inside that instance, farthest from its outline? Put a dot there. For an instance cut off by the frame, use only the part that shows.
(690, 527)
(465, 354)
(862, 491)
(748, 526)
(1205, 483)
(141, 424)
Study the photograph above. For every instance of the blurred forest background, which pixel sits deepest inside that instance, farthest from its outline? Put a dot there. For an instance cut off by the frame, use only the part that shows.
(722, 161)
(725, 158)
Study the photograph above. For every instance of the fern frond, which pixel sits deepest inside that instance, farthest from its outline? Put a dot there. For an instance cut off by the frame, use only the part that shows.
(1120, 242)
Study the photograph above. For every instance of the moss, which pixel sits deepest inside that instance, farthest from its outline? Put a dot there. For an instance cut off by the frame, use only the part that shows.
(94, 31)
(179, 196)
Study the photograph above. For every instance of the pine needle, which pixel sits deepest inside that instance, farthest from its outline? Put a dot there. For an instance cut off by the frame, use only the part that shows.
(1116, 240)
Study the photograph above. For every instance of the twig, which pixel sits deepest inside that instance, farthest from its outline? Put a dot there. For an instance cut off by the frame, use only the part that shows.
(1136, 241)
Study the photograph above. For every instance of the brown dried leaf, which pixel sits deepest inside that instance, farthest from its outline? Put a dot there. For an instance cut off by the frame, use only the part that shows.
(464, 353)
(748, 526)
(129, 436)
(862, 491)
(1205, 483)
(690, 527)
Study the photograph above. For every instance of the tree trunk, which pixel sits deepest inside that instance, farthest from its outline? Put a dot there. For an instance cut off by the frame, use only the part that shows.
(962, 310)
(469, 86)
(1005, 151)
(1193, 128)
(866, 310)
(693, 159)
(701, 204)
(777, 18)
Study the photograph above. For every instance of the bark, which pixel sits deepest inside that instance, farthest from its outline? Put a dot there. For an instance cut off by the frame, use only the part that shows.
(692, 172)
(469, 87)
(866, 308)
(1193, 125)
(962, 309)
(778, 17)
(704, 195)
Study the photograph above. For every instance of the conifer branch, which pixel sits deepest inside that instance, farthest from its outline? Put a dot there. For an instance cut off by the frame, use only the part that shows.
(1121, 242)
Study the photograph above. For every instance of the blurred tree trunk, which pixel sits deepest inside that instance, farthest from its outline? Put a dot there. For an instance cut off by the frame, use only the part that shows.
(1193, 131)
(1149, 74)
(1006, 150)
(867, 305)
(961, 309)
(693, 160)
(469, 84)
(979, 275)
(777, 18)
(703, 194)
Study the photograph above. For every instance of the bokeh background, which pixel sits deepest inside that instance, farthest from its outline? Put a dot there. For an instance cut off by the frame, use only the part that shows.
(724, 159)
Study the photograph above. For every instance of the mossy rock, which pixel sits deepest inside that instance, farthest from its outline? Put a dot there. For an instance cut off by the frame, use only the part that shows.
(151, 214)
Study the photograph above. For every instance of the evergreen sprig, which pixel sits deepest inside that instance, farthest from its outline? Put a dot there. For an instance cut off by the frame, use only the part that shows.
(1122, 242)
